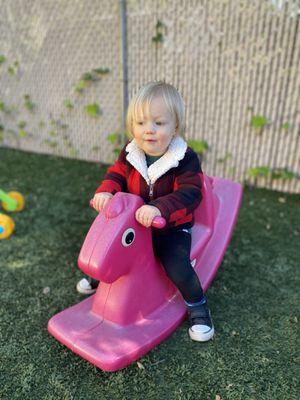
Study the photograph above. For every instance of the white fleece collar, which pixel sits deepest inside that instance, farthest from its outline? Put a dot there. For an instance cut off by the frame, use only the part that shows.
(170, 159)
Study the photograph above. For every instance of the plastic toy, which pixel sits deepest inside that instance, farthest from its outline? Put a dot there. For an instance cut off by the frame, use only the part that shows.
(12, 201)
(7, 226)
(136, 306)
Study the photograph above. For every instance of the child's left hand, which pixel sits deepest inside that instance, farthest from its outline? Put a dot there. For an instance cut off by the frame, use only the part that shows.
(145, 214)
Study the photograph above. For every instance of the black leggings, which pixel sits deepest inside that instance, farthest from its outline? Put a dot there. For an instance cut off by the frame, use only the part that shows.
(173, 250)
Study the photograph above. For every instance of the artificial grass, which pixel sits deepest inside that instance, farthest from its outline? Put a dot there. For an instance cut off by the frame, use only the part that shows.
(253, 299)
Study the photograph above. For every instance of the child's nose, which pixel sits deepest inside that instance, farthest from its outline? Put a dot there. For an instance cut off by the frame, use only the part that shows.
(150, 128)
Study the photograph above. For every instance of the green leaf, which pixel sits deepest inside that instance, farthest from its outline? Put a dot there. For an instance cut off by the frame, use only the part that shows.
(113, 138)
(11, 70)
(28, 103)
(101, 71)
(50, 143)
(80, 86)
(22, 124)
(159, 24)
(87, 76)
(199, 146)
(116, 151)
(2, 59)
(67, 141)
(23, 133)
(158, 38)
(90, 77)
(283, 173)
(258, 121)
(116, 139)
(6, 109)
(225, 158)
(68, 104)
(53, 133)
(93, 110)
(274, 173)
(286, 126)
(258, 171)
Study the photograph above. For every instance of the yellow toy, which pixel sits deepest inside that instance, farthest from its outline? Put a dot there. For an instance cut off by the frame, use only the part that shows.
(12, 201)
(7, 226)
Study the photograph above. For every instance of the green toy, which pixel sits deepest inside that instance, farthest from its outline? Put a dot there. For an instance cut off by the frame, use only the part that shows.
(10, 202)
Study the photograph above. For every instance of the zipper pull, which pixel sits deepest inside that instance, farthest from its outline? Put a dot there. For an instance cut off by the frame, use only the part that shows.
(151, 190)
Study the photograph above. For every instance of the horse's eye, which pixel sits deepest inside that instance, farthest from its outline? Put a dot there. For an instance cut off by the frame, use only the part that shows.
(128, 237)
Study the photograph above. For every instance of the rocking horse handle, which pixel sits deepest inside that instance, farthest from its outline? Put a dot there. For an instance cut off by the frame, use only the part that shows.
(158, 222)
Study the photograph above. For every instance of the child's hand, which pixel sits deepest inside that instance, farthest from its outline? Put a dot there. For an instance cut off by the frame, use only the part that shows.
(100, 200)
(145, 215)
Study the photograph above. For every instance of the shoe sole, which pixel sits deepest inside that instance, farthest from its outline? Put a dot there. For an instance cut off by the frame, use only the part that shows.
(84, 291)
(203, 337)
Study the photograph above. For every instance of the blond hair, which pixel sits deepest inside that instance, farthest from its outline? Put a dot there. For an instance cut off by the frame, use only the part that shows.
(146, 94)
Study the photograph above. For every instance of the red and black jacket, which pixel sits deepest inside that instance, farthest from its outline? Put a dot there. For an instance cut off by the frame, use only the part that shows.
(172, 184)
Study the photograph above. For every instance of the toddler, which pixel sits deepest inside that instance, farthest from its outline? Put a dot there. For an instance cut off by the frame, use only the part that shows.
(158, 166)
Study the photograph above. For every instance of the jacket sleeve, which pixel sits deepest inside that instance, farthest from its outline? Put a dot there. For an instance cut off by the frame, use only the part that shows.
(187, 190)
(115, 179)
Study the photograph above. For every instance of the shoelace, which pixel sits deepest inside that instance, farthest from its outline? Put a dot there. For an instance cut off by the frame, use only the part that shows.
(200, 315)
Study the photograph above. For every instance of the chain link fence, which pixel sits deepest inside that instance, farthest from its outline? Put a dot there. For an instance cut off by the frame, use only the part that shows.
(236, 63)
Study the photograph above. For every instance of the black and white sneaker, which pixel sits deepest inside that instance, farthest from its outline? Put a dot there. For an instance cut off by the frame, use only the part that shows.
(201, 325)
(87, 285)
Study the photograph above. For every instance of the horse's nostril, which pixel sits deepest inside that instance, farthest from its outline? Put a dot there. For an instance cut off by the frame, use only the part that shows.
(128, 237)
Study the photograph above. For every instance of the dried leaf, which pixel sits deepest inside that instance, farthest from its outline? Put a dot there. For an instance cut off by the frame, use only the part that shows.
(282, 199)
(46, 290)
(140, 365)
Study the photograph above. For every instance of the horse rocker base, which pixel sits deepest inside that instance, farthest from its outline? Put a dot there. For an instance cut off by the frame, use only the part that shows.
(136, 306)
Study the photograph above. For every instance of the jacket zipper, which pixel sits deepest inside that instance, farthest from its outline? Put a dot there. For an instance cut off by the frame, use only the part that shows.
(151, 190)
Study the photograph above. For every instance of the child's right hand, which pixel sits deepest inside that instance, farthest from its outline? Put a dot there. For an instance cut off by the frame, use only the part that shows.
(100, 200)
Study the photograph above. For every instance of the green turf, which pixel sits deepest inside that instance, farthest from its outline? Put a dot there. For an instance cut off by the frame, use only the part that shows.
(253, 299)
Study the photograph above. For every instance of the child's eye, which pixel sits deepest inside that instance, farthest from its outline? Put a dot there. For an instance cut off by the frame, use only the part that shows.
(159, 123)
(140, 122)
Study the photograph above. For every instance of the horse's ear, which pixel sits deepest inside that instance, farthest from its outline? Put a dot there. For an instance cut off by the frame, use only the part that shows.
(116, 206)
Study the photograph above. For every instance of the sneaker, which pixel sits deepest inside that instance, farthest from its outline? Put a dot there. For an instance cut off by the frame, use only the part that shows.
(201, 326)
(87, 285)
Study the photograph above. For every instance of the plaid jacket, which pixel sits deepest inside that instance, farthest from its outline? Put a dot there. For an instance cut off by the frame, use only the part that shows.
(172, 183)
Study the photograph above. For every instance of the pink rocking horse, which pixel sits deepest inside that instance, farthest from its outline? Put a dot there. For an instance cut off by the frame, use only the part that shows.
(136, 306)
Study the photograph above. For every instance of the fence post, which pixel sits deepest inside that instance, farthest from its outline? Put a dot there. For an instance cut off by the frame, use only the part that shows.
(124, 62)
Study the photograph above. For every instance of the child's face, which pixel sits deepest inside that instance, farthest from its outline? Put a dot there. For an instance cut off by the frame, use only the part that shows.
(154, 132)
